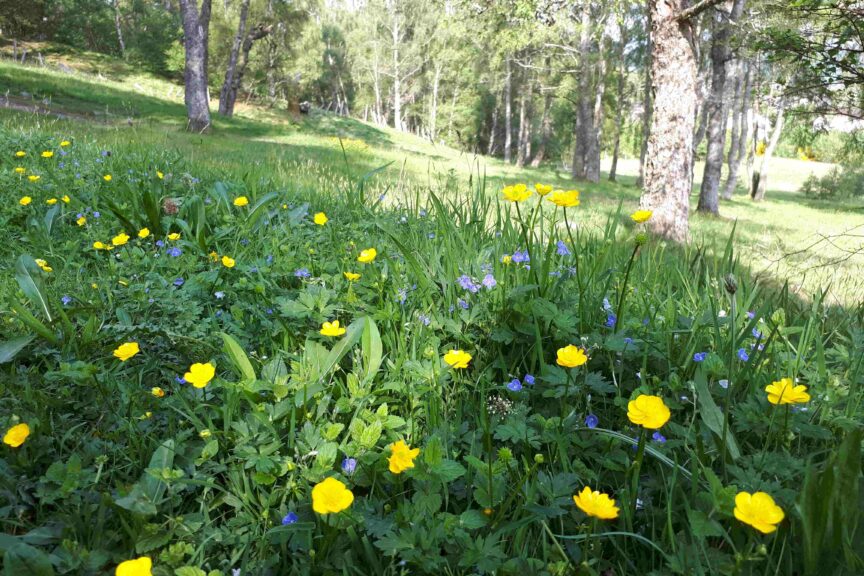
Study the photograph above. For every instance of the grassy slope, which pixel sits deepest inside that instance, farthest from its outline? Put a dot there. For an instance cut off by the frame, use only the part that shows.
(102, 98)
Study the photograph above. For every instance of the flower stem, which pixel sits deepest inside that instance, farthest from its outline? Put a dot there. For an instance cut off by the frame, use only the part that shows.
(634, 478)
(531, 262)
(575, 249)
(620, 310)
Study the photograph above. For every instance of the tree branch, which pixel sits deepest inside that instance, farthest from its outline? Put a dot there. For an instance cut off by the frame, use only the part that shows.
(696, 9)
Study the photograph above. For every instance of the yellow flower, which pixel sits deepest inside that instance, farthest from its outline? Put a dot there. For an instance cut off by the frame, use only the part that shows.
(227, 261)
(144, 233)
(33, 178)
(785, 392)
(402, 457)
(51, 201)
(458, 359)
(126, 351)
(332, 329)
(199, 375)
(120, 239)
(597, 504)
(331, 496)
(241, 201)
(648, 411)
(516, 193)
(107, 177)
(160, 175)
(146, 415)
(760, 148)
(543, 189)
(65, 143)
(138, 567)
(16, 435)
(174, 236)
(20, 170)
(25, 200)
(65, 199)
(759, 511)
(320, 219)
(20, 154)
(367, 256)
(506, 259)
(43, 265)
(99, 245)
(641, 216)
(157, 392)
(565, 199)
(205, 433)
(351, 276)
(571, 356)
(81, 221)
(214, 256)
(47, 154)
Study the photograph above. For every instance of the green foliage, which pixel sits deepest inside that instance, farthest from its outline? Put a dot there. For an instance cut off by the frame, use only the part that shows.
(838, 184)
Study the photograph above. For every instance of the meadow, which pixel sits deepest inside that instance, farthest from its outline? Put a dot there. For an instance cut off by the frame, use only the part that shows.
(306, 345)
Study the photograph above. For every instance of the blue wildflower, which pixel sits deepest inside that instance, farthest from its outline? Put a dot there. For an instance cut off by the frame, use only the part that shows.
(179, 282)
(466, 283)
(742, 355)
(757, 334)
(349, 465)
(520, 257)
(700, 356)
(180, 380)
(606, 305)
(66, 300)
(659, 438)
(269, 259)
(514, 385)
(611, 320)
(290, 518)
(174, 251)
(562, 249)
(723, 384)
(96, 214)
(462, 304)
(489, 281)
(302, 273)
(529, 379)
(402, 296)
(425, 320)
(160, 244)
(219, 295)
(591, 421)
(751, 315)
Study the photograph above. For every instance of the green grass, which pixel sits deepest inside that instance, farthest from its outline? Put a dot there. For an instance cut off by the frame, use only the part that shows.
(200, 480)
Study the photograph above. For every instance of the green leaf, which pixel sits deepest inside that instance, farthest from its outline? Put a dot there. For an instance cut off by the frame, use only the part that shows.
(189, 571)
(23, 559)
(148, 491)
(10, 348)
(238, 358)
(372, 349)
(712, 416)
(473, 519)
(25, 268)
(448, 470)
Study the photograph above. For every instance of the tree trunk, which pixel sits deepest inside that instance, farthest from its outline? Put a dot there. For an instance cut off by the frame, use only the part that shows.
(668, 158)
(230, 99)
(592, 150)
(433, 109)
(739, 145)
(709, 193)
(586, 136)
(619, 101)
(508, 113)
(647, 104)
(119, 30)
(524, 127)
(195, 26)
(760, 174)
(397, 86)
(226, 100)
(546, 130)
(491, 149)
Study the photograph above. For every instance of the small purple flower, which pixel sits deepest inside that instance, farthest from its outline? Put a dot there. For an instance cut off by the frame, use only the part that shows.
(96, 214)
(218, 313)
(606, 305)
(742, 355)
(591, 421)
(302, 273)
(180, 380)
(529, 379)
(179, 282)
(66, 300)
(757, 334)
(219, 295)
(424, 319)
(562, 249)
(466, 283)
(269, 259)
(422, 213)
(289, 518)
(402, 296)
(489, 281)
(253, 269)
(462, 304)
(431, 235)
(700, 356)
(174, 251)
(160, 244)
(244, 241)
(519, 257)
(659, 438)
(514, 385)
(269, 311)
(723, 384)
(751, 315)
(611, 320)
(628, 340)
(105, 153)
(349, 465)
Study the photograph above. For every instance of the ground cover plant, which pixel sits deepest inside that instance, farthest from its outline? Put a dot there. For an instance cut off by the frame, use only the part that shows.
(317, 373)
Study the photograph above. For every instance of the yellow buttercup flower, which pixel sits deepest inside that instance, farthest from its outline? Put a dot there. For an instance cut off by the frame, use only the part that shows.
(174, 236)
(458, 359)
(785, 392)
(205, 433)
(331, 496)
(137, 567)
(144, 233)
(120, 239)
(51, 201)
(199, 375)
(107, 177)
(571, 356)
(157, 392)
(597, 504)
(565, 199)
(33, 178)
(16, 435)
(20, 154)
(759, 511)
(214, 256)
(351, 276)
(506, 259)
(320, 219)
(543, 189)
(65, 198)
(65, 143)
(641, 216)
(20, 170)
(367, 256)
(516, 193)
(81, 221)
(25, 200)
(648, 411)
(160, 175)
(332, 329)
(241, 201)
(228, 262)
(402, 457)
(47, 154)
(126, 351)
(43, 265)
